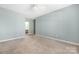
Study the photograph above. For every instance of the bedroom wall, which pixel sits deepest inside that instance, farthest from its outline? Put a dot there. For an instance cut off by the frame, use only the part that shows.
(62, 24)
(11, 24)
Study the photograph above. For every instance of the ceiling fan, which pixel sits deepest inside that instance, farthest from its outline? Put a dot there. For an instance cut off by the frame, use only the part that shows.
(37, 7)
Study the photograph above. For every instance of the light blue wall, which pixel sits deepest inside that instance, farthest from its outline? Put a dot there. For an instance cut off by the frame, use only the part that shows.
(63, 24)
(11, 24)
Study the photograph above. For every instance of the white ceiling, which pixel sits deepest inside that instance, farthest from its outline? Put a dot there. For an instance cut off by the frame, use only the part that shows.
(33, 10)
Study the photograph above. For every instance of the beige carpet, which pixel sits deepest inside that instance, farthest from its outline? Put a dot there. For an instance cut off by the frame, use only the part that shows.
(34, 44)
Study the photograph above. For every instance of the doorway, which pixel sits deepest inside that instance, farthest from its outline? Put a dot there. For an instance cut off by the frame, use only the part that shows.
(26, 27)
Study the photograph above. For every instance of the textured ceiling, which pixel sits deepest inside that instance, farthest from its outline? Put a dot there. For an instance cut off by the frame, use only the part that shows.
(33, 10)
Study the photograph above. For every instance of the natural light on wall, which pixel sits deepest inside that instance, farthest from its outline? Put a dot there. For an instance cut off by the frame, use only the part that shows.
(27, 25)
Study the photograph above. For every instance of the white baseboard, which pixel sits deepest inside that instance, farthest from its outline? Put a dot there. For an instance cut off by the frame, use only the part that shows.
(5, 40)
(69, 42)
